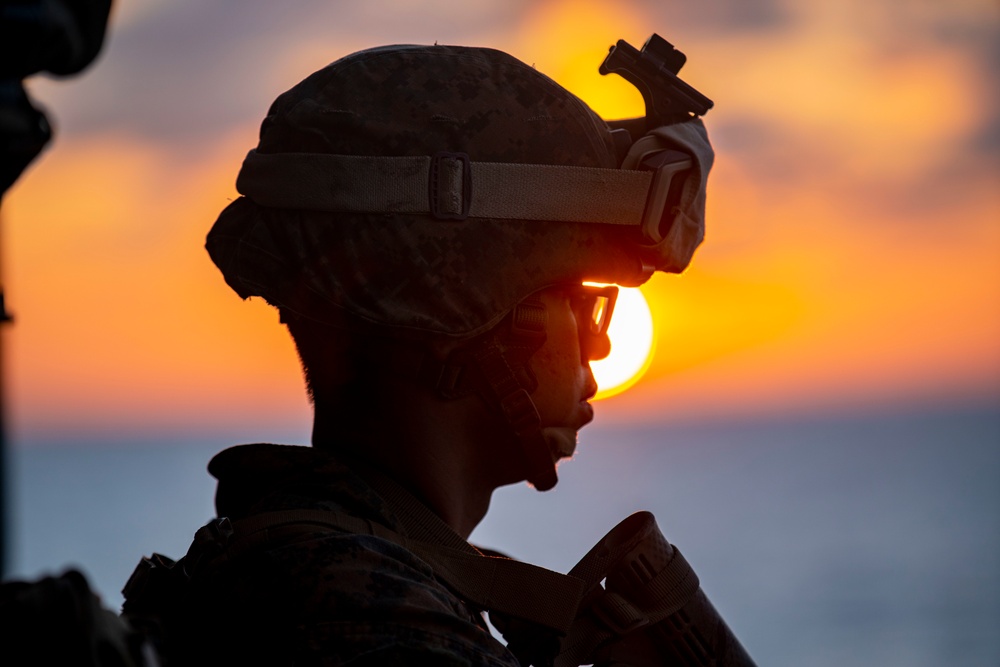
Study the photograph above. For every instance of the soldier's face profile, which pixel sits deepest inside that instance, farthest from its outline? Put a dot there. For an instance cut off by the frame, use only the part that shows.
(565, 381)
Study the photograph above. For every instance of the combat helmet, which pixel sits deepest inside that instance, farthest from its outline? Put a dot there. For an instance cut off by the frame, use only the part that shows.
(425, 192)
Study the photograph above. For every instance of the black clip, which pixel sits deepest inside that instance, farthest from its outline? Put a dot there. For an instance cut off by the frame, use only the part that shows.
(669, 169)
(441, 183)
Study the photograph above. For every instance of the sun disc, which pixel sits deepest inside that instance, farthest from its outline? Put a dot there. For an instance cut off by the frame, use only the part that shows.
(631, 334)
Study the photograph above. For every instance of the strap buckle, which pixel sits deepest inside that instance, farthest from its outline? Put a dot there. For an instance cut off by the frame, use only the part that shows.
(449, 186)
(618, 614)
(528, 319)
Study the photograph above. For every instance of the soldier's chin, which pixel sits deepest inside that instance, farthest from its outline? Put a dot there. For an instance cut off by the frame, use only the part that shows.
(561, 441)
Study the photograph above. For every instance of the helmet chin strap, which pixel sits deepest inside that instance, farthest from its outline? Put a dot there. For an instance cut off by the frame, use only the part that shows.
(520, 413)
(496, 366)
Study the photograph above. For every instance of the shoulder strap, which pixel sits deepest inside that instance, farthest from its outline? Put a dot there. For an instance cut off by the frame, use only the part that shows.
(502, 584)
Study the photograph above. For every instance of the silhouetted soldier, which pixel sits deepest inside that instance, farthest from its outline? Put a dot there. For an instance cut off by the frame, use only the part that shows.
(423, 219)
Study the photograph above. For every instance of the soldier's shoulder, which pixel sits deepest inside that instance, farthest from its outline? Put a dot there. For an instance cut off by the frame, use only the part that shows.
(351, 596)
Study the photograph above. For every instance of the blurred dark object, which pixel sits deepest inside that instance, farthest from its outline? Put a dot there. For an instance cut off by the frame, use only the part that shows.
(60, 621)
(54, 620)
(57, 36)
(24, 131)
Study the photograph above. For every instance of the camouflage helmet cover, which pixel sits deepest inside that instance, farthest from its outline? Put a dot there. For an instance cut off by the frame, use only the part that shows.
(415, 275)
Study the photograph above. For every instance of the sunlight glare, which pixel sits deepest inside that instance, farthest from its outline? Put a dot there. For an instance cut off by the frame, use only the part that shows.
(631, 333)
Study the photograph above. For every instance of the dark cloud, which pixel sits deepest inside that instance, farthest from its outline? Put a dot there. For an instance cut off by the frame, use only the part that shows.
(972, 166)
(718, 16)
(187, 70)
(962, 171)
(975, 35)
(783, 163)
(761, 148)
(987, 140)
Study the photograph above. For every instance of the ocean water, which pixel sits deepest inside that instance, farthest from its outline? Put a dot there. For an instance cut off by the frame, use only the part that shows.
(836, 540)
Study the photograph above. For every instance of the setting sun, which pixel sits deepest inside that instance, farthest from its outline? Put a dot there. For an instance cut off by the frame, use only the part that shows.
(631, 333)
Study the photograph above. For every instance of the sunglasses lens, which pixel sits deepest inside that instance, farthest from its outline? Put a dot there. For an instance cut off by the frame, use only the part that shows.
(600, 314)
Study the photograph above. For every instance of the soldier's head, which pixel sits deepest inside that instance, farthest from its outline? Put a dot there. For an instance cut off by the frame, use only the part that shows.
(431, 213)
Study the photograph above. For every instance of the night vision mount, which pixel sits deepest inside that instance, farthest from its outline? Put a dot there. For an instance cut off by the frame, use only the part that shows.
(653, 71)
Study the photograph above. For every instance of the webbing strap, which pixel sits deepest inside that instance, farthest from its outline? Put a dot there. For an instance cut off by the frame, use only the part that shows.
(520, 413)
(365, 184)
(508, 586)
(609, 615)
(673, 586)
(605, 615)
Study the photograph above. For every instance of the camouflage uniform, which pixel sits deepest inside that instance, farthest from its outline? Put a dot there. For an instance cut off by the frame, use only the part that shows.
(325, 597)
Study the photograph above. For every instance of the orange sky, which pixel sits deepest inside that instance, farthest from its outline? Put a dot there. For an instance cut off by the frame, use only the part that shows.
(853, 248)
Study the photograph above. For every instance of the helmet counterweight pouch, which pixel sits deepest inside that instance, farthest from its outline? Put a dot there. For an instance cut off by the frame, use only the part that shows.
(680, 157)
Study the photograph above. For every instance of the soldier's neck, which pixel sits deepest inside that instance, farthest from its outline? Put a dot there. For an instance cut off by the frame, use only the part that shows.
(437, 451)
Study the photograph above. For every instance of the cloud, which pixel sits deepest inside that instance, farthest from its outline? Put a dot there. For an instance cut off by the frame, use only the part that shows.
(710, 17)
(900, 116)
(181, 71)
(852, 231)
